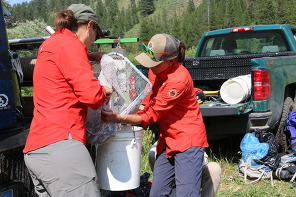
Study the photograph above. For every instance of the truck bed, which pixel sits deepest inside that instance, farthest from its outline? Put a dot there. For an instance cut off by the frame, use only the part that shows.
(222, 68)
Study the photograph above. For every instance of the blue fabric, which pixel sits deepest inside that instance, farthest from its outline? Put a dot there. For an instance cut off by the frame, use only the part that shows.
(252, 149)
(291, 124)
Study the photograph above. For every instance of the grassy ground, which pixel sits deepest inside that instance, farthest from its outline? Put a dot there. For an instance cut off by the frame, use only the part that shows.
(227, 153)
(233, 185)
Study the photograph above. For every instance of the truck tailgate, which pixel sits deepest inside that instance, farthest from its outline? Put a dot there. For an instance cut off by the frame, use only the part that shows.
(210, 108)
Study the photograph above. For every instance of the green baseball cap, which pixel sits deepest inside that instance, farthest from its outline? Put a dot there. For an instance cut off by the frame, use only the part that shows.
(85, 13)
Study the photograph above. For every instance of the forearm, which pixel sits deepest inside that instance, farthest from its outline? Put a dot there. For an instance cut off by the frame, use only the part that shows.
(96, 56)
(112, 116)
(130, 119)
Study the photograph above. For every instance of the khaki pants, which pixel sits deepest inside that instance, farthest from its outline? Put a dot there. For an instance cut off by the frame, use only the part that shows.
(210, 183)
(211, 175)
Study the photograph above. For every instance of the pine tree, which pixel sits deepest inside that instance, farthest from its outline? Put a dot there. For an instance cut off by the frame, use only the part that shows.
(263, 11)
(146, 7)
(134, 11)
(101, 12)
(176, 26)
(245, 14)
(128, 19)
(146, 28)
(118, 27)
(285, 13)
(112, 7)
(189, 25)
(217, 15)
(190, 6)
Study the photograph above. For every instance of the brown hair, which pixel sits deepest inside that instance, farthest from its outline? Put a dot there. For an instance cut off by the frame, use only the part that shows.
(182, 50)
(66, 19)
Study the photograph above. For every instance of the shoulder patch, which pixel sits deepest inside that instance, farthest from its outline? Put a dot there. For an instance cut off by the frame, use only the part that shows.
(172, 93)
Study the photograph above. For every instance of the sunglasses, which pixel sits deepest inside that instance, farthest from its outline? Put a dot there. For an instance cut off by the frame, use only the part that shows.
(99, 33)
(152, 54)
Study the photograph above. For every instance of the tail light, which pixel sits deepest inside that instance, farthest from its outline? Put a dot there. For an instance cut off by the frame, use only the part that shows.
(261, 84)
(240, 29)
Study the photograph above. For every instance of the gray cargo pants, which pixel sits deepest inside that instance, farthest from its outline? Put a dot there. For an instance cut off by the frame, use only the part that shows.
(64, 168)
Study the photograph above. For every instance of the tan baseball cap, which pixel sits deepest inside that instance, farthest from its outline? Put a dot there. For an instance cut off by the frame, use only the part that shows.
(162, 47)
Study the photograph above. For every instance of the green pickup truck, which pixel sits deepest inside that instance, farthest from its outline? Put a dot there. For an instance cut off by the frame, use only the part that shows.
(267, 53)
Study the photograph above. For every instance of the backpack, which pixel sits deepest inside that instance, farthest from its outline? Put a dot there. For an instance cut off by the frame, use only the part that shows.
(290, 126)
(250, 166)
(272, 158)
(254, 171)
(287, 168)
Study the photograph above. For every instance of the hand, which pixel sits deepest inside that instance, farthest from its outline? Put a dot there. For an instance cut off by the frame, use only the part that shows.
(108, 94)
(96, 56)
(141, 107)
(108, 115)
(200, 97)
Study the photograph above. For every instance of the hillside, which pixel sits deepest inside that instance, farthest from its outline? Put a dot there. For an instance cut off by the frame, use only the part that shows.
(169, 4)
(170, 7)
(166, 11)
(174, 6)
(184, 19)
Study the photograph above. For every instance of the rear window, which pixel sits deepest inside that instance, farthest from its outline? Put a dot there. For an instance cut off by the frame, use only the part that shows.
(244, 43)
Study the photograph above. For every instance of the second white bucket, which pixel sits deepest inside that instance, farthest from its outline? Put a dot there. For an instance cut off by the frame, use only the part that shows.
(118, 162)
(236, 90)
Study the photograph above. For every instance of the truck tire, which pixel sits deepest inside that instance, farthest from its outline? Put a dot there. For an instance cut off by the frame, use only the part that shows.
(281, 137)
(28, 64)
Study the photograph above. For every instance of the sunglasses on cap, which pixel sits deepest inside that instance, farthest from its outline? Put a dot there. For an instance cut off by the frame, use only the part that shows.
(150, 53)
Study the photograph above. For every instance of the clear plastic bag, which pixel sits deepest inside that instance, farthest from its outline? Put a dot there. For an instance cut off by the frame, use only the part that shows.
(129, 86)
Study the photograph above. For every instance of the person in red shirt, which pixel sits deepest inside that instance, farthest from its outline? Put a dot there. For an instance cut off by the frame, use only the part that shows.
(172, 102)
(64, 87)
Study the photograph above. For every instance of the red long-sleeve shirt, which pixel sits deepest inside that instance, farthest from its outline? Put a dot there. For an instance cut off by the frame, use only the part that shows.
(64, 86)
(172, 102)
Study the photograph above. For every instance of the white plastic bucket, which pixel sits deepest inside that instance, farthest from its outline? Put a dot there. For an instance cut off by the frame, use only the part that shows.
(236, 90)
(118, 162)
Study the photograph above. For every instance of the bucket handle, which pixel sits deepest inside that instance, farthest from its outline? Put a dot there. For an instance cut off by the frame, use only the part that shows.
(133, 142)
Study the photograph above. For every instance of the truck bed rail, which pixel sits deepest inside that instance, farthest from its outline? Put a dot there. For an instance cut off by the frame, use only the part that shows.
(224, 67)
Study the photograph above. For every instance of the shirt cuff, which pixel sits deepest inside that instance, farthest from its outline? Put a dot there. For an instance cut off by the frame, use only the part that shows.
(144, 118)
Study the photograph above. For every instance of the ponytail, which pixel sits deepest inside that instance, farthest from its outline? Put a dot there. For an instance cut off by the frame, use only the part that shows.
(65, 19)
(182, 50)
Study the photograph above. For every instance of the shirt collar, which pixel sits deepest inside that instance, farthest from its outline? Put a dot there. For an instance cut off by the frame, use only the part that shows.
(164, 74)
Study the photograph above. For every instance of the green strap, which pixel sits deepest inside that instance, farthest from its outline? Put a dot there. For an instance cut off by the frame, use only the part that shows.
(110, 41)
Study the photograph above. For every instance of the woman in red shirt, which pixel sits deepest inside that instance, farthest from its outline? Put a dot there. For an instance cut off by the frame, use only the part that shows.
(172, 102)
(64, 87)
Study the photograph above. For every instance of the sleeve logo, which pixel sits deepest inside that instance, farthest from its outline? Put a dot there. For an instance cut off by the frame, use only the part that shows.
(172, 93)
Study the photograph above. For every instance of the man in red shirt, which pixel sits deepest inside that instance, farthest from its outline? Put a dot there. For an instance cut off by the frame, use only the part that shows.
(64, 86)
(172, 102)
